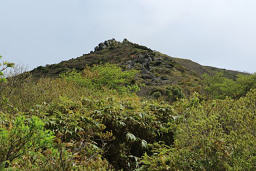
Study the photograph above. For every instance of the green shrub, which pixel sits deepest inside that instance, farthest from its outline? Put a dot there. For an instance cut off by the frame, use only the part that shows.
(104, 76)
(4, 66)
(244, 84)
(23, 137)
(99, 125)
(213, 135)
(117, 127)
(174, 93)
(26, 93)
(156, 94)
(218, 86)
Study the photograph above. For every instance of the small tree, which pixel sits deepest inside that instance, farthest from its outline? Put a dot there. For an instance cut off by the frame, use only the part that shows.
(3, 67)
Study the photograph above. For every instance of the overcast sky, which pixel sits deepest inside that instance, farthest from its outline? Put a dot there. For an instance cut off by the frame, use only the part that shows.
(219, 33)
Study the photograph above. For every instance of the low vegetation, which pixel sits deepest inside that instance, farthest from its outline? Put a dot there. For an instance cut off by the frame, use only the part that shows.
(94, 120)
(219, 87)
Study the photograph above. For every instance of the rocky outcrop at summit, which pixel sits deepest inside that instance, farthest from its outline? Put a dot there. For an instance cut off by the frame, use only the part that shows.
(107, 44)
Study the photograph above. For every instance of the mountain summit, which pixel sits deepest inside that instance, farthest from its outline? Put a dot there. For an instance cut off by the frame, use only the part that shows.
(157, 71)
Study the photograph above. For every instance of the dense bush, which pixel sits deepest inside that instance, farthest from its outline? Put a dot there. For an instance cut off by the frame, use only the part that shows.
(91, 123)
(174, 93)
(216, 135)
(170, 93)
(22, 137)
(104, 76)
(23, 94)
(93, 120)
(118, 127)
(218, 86)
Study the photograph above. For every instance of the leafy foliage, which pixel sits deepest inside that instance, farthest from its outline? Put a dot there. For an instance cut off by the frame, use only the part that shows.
(93, 120)
(216, 135)
(218, 86)
(104, 76)
(4, 66)
(22, 137)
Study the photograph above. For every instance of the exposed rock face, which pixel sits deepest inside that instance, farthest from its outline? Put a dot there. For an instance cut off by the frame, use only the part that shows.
(107, 44)
(143, 59)
(125, 41)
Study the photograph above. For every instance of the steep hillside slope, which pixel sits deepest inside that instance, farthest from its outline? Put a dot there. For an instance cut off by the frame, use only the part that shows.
(200, 69)
(158, 72)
